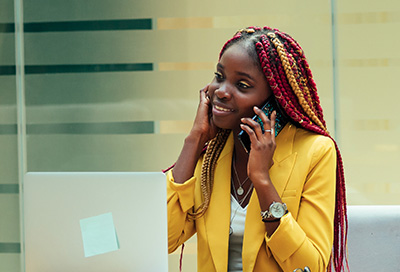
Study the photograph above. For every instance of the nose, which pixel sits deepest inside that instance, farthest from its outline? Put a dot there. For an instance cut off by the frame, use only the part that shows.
(223, 92)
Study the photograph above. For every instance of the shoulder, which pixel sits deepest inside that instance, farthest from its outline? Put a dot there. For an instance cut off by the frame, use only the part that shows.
(313, 147)
(308, 139)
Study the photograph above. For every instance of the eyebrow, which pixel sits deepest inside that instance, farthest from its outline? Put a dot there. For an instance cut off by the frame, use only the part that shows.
(245, 74)
(219, 65)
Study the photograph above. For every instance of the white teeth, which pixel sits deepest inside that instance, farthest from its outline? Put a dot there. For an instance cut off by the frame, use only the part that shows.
(222, 109)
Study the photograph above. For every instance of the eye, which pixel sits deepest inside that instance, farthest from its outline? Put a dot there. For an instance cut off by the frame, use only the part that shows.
(218, 76)
(243, 85)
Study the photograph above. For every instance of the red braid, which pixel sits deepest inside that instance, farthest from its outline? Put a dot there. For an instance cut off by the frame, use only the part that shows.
(277, 80)
(296, 50)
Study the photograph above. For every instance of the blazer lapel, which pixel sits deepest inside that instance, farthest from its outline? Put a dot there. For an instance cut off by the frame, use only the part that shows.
(280, 173)
(217, 217)
(284, 159)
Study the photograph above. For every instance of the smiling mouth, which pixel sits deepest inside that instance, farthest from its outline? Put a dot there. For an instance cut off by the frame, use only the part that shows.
(222, 109)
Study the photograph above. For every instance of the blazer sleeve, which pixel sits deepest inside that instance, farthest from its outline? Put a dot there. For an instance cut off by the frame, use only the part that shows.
(307, 240)
(180, 200)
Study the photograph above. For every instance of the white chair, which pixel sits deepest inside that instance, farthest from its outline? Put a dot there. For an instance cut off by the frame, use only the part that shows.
(374, 238)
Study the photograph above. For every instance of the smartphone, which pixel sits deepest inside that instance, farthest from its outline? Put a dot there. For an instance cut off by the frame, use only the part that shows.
(280, 121)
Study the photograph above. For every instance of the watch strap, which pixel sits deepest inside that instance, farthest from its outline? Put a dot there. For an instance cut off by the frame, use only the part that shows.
(267, 215)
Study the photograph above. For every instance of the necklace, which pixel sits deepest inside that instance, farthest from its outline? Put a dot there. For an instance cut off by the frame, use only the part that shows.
(245, 196)
(239, 190)
(240, 204)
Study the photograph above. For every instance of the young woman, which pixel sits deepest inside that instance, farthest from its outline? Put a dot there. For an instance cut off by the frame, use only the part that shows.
(278, 204)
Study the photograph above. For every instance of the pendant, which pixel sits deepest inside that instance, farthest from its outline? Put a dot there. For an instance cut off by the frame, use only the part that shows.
(240, 191)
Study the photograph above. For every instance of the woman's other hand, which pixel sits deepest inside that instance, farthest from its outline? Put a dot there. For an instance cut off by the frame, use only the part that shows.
(202, 131)
(203, 125)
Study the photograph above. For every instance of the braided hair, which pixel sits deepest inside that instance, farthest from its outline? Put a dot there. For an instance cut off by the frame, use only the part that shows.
(214, 149)
(283, 63)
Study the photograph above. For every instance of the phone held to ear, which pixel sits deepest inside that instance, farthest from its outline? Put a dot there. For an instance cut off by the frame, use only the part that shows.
(280, 121)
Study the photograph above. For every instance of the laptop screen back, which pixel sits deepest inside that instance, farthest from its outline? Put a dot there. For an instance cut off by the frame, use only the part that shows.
(57, 205)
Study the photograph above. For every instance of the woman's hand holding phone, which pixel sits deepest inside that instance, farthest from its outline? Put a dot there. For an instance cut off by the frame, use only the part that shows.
(262, 144)
(261, 159)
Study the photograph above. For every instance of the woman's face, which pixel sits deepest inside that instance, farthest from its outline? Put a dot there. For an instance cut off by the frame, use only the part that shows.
(238, 86)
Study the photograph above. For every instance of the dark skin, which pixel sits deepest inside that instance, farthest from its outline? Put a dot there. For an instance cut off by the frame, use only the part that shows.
(229, 102)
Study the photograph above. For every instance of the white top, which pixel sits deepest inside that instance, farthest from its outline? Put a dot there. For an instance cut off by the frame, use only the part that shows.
(238, 217)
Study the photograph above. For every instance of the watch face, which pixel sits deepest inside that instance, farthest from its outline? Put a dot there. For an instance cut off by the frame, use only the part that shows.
(277, 210)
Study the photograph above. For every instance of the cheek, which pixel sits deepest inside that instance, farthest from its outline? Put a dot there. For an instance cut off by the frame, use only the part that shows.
(249, 112)
(247, 109)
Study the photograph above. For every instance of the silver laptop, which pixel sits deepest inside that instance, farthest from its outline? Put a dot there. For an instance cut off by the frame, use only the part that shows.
(59, 208)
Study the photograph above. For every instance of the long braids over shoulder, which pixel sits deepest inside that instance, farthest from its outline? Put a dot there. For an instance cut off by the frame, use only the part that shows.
(284, 65)
(214, 149)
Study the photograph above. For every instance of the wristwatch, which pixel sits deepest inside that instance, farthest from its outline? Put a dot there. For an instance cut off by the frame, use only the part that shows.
(274, 213)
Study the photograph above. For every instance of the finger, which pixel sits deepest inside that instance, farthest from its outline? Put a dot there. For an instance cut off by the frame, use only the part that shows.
(205, 89)
(273, 121)
(250, 132)
(266, 122)
(204, 94)
(254, 125)
(261, 114)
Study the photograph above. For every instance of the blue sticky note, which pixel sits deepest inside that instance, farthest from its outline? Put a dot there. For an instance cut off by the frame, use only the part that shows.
(99, 235)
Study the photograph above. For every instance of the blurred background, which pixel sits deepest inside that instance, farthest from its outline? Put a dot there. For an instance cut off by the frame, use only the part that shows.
(101, 85)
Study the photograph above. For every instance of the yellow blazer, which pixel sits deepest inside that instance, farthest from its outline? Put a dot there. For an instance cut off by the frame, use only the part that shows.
(304, 174)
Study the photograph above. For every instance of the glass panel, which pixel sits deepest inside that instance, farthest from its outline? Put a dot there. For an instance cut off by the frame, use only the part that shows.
(368, 67)
(92, 90)
(9, 189)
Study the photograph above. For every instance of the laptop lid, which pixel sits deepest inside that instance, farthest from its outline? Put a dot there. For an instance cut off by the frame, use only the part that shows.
(59, 208)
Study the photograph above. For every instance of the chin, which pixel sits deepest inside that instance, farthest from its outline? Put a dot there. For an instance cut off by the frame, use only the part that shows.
(226, 125)
(220, 124)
